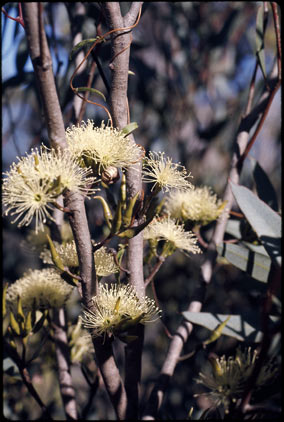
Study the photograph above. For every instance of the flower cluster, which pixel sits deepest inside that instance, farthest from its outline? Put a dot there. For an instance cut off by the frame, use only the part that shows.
(40, 288)
(229, 378)
(200, 205)
(173, 233)
(116, 308)
(165, 174)
(105, 146)
(31, 186)
(104, 260)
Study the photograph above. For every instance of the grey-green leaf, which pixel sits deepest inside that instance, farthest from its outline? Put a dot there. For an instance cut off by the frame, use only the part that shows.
(93, 90)
(129, 128)
(264, 187)
(242, 328)
(85, 43)
(259, 39)
(265, 222)
(254, 261)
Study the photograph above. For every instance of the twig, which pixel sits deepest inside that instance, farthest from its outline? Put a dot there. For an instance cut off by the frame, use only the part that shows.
(18, 19)
(154, 271)
(27, 379)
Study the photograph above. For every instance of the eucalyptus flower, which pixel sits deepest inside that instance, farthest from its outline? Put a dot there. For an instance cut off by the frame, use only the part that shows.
(80, 342)
(116, 308)
(165, 174)
(229, 377)
(105, 263)
(105, 146)
(198, 204)
(173, 233)
(32, 186)
(42, 288)
(66, 251)
(104, 260)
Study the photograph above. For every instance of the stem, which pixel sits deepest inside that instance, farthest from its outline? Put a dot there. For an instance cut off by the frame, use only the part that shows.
(63, 360)
(119, 107)
(42, 63)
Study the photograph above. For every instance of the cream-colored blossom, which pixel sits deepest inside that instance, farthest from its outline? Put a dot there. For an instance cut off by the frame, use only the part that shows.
(27, 198)
(44, 287)
(80, 342)
(116, 307)
(104, 260)
(229, 377)
(165, 174)
(173, 233)
(61, 166)
(105, 145)
(66, 251)
(199, 204)
(32, 185)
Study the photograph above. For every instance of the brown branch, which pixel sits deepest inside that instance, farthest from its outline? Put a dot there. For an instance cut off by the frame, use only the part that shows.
(18, 19)
(63, 360)
(42, 63)
(26, 379)
(120, 112)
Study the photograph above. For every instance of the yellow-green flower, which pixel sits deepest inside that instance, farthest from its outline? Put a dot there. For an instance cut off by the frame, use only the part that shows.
(229, 376)
(198, 204)
(44, 288)
(116, 307)
(105, 146)
(32, 185)
(165, 174)
(173, 233)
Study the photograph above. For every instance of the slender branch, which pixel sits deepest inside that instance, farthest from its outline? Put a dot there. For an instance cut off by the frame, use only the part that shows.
(42, 63)
(120, 112)
(18, 19)
(63, 360)
(27, 379)
(155, 269)
(131, 16)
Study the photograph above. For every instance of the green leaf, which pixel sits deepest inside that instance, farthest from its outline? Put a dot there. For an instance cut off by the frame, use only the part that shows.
(93, 90)
(264, 187)
(256, 262)
(240, 327)
(259, 39)
(85, 43)
(129, 128)
(265, 222)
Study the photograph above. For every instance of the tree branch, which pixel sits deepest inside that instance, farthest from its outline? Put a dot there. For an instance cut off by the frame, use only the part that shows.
(120, 112)
(42, 63)
(63, 360)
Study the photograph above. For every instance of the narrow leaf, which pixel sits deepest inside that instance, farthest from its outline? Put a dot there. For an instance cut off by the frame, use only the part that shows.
(241, 327)
(85, 43)
(129, 128)
(265, 222)
(93, 90)
(255, 264)
(264, 187)
(259, 40)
